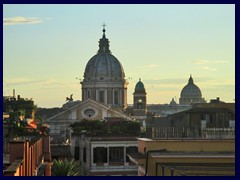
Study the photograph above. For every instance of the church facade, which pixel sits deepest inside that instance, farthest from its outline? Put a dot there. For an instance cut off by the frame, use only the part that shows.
(88, 109)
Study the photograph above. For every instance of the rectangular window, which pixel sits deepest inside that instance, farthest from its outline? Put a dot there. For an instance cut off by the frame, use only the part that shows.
(88, 94)
(131, 149)
(76, 153)
(116, 155)
(100, 155)
(84, 154)
(115, 97)
(101, 96)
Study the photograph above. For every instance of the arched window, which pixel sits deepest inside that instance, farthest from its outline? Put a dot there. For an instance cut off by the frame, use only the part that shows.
(139, 104)
(101, 96)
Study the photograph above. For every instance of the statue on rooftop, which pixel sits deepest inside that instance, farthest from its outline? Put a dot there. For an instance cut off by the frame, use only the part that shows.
(69, 98)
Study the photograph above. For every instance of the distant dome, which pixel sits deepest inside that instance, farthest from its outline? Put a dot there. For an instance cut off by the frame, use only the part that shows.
(191, 93)
(191, 90)
(139, 86)
(173, 102)
(103, 65)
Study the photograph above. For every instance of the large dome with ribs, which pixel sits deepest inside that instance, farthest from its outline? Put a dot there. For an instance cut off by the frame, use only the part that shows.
(104, 66)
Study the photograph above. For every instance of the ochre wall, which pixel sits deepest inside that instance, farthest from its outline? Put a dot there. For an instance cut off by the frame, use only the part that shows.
(187, 145)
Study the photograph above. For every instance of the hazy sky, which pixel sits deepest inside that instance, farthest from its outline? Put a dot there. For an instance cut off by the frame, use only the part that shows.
(46, 47)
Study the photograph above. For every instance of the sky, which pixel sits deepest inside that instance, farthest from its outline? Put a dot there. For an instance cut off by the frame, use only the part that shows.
(46, 49)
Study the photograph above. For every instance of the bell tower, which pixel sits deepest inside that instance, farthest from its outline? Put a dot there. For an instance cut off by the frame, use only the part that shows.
(139, 100)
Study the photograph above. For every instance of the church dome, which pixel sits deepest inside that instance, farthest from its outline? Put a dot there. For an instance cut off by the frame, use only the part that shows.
(104, 78)
(139, 86)
(173, 102)
(104, 66)
(191, 90)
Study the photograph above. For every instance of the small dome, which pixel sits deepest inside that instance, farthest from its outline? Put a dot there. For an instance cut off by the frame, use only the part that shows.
(139, 86)
(191, 90)
(173, 102)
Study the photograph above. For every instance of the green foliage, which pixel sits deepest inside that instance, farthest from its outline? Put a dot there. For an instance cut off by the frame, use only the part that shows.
(66, 168)
(18, 109)
(16, 127)
(13, 105)
(92, 127)
(102, 128)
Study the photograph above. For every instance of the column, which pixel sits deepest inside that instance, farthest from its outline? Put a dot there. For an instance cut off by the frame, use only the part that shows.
(108, 155)
(105, 96)
(125, 154)
(121, 97)
(97, 95)
(91, 155)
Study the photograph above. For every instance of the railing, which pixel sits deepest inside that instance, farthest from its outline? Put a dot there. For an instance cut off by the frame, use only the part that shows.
(192, 133)
(218, 133)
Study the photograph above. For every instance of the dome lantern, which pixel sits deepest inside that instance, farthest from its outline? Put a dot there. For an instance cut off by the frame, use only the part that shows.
(104, 43)
(190, 81)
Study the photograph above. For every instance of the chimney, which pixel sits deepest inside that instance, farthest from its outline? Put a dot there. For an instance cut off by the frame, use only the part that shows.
(13, 93)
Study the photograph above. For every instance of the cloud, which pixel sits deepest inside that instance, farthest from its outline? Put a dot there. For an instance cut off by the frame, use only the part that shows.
(209, 68)
(208, 62)
(46, 83)
(22, 20)
(216, 83)
(152, 66)
(22, 81)
(165, 81)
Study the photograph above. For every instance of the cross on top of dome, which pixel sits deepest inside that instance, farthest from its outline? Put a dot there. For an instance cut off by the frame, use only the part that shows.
(104, 25)
(104, 30)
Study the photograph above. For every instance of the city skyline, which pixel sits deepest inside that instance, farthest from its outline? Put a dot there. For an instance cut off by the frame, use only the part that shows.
(46, 49)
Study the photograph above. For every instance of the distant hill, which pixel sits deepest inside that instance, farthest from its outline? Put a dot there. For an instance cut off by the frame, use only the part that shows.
(45, 113)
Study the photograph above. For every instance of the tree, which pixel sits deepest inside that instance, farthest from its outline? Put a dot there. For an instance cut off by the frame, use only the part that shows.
(66, 168)
(102, 128)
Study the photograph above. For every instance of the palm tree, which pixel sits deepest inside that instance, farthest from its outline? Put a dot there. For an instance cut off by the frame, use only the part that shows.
(66, 168)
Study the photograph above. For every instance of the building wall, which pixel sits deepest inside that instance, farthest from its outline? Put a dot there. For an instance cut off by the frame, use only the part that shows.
(107, 168)
(189, 163)
(145, 145)
(191, 123)
(186, 157)
(230, 106)
(59, 124)
(27, 157)
(108, 87)
(166, 109)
